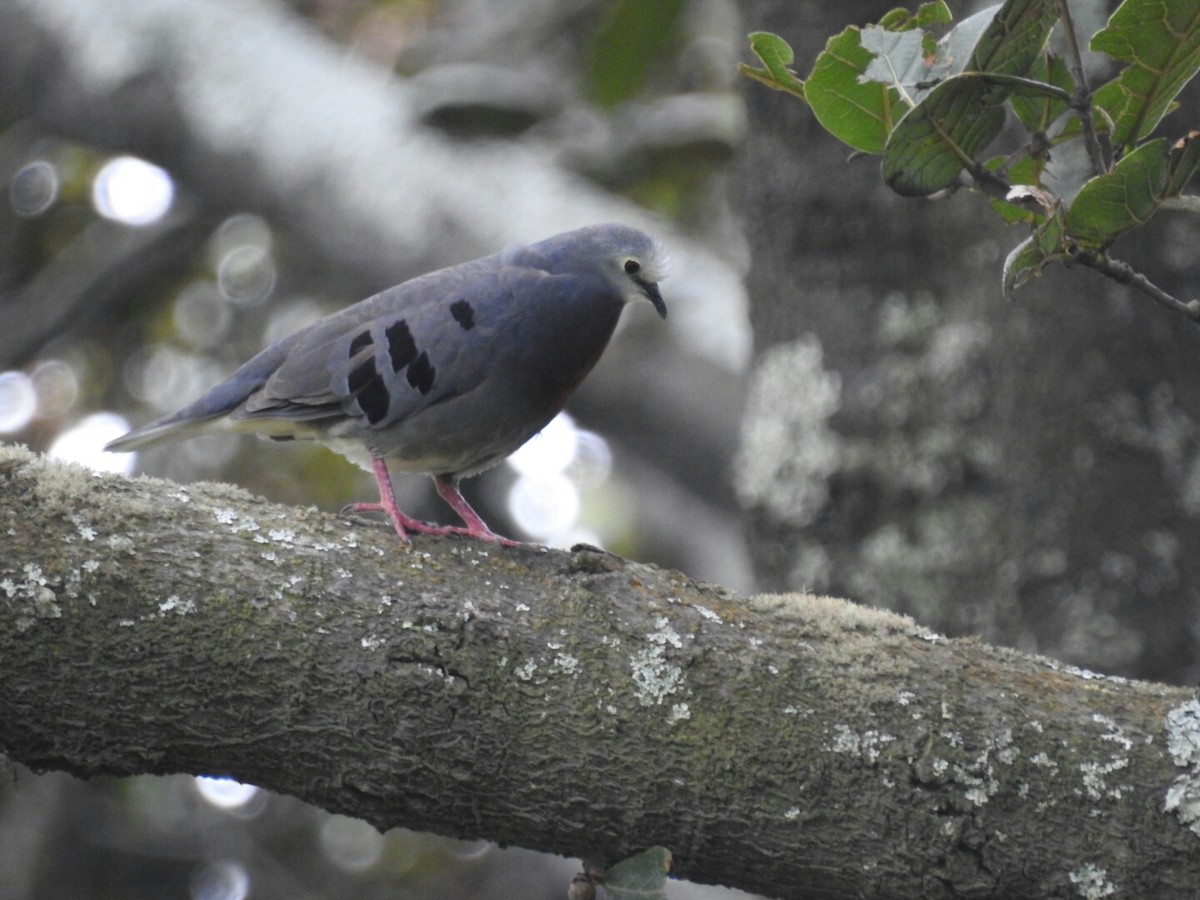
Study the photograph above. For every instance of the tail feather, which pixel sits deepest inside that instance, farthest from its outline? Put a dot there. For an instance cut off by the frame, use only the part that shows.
(220, 401)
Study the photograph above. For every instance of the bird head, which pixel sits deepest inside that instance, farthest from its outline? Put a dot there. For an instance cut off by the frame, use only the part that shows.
(634, 261)
(630, 260)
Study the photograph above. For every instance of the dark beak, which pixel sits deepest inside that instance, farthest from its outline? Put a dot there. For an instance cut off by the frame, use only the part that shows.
(653, 295)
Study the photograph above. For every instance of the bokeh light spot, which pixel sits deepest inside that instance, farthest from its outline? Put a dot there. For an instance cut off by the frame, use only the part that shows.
(239, 230)
(246, 275)
(164, 376)
(549, 451)
(544, 505)
(351, 844)
(225, 793)
(222, 879)
(57, 388)
(84, 442)
(291, 318)
(202, 317)
(34, 188)
(132, 191)
(18, 401)
(592, 463)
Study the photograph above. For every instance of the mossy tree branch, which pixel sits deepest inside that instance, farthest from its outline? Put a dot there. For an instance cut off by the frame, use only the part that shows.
(572, 702)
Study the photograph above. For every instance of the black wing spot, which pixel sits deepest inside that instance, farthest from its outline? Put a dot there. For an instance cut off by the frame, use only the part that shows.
(370, 391)
(361, 375)
(463, 314)
(360, 341)
(401, 347)
(421, 373)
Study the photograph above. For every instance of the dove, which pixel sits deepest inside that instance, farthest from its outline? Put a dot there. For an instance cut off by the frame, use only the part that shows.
(445, 374)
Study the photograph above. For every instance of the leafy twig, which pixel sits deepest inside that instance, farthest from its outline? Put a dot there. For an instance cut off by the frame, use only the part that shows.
(1081, 100)
(1123, 273)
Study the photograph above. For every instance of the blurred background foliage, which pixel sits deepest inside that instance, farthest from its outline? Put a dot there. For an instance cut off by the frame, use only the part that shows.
(850, 408)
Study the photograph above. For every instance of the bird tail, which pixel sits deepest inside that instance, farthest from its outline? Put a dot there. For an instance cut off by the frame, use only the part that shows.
(220, 401)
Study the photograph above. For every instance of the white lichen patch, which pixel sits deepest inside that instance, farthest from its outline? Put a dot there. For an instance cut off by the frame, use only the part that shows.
(867, 746)
(525, 670)
(979, 776)
(1042, 760)
(86, 531)
(1095, 774)
(654, 678)
(679, 712)
(281, 535)
(792, 812)
(1091, 882)
(120, 543)
(1095, 778)
(174, 604)
(566, 663)
(236, 521)
(34, 591)
(1183, 743)
(707, 613)
(665, 633)
(372, 642)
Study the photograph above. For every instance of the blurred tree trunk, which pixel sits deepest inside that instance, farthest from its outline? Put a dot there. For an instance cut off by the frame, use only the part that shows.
(575, 703)
(1027, 472)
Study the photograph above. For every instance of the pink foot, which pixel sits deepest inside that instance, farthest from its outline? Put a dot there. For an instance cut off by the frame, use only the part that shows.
(403, 524)
(448, 491)
(476, 527)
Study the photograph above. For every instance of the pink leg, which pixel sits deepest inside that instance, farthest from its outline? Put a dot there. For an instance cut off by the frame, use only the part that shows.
(387, 505)
(476, 527)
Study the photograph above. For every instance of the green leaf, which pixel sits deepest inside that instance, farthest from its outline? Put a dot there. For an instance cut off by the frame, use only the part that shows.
(900, 60)
(1027, 259)
(1109, 205)
(1015, 38)
(776, 56)
(1160, 39)
(913, 63)
(950, 125)
(641, 877)
(860, 114)
(942, 135)
(632, 38)
(1039, 110)
(927, 14)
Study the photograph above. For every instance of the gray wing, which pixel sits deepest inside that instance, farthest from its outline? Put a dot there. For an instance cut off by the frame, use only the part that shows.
(363, 368)
(387, 358)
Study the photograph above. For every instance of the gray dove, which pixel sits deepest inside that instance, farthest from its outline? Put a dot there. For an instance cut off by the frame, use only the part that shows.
(445, 374)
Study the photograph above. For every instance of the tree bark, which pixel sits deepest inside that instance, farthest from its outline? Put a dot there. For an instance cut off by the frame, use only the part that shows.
(576, 703)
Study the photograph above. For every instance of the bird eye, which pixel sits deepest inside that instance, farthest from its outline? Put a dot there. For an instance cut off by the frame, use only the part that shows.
(632, 267)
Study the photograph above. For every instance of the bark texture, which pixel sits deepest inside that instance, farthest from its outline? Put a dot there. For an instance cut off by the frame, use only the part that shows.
(573, 702)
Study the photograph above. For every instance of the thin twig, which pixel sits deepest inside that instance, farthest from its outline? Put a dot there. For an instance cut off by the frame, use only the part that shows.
(1081, 100)
(1123, 273)
(1189, 203)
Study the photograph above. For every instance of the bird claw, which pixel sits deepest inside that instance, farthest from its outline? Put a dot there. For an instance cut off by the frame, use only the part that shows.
(407, 525)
